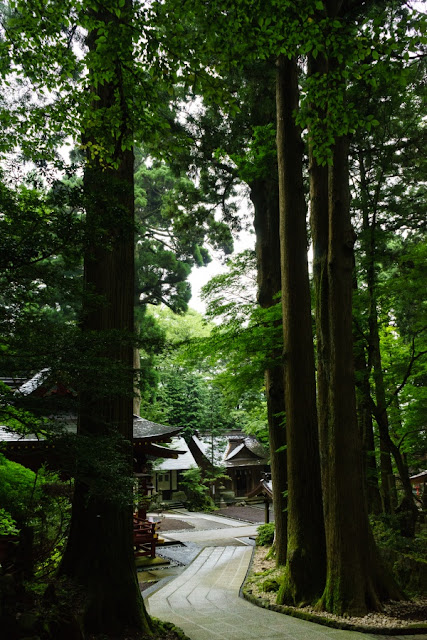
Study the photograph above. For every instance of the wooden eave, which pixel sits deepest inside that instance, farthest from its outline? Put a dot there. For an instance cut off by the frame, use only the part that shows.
(150, 449)
(263, 489)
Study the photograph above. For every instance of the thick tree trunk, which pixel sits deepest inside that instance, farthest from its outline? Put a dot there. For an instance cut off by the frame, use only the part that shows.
(356, 580)
(265, 197)
(278, 459)
(305, 568)
(99, 555)
(319, 212)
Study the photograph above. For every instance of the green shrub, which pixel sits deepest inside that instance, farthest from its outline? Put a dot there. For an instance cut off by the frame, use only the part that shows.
(270, 585)
(405, 556)
(198, 498)
(7, 524)
(19, 490)
(36, 506)
(265, 535)
(386, 530)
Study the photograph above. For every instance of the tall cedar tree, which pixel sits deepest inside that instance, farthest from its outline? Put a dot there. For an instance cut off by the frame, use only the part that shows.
(254, 83)
(264, 193)
(305, 569)
(265, 198)
(369, 242)
(388, 482)
(376, 161)
(99, 554)
(356, 580)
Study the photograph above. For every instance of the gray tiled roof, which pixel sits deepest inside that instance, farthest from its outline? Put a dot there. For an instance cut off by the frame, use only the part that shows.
(185, 461)
(419, 476)
(248, 449)
(10, 436)
(142, 429)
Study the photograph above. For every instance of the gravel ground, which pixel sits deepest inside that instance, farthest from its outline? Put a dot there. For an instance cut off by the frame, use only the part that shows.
(395, 614)
(179, 554)
(253, 514)
(173, 524)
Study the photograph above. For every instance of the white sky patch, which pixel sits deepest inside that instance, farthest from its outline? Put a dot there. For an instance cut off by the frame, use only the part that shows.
(201, 275)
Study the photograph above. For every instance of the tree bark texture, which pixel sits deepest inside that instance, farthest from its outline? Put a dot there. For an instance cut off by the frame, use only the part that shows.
(265, 197)
(99, 555)
(356, 580)
(304, 575)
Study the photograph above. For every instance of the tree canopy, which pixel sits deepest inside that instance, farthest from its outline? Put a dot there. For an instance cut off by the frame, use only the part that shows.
(131, 132)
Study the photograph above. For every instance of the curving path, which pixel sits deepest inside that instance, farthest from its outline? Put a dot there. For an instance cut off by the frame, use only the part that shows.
(204, 602)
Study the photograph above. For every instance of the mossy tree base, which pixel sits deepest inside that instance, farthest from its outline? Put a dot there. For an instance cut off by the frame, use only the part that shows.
(302, 580)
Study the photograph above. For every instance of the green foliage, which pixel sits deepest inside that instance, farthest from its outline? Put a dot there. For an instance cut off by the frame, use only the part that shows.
(184, 396)
(261, 154)
(101, 462)
(196, 490)
(407, 557)
(50, 54)
(179, 329)
(19, 490)
(238, 346)
(7, 524)
(51, 525)
(173, 222)
(41, 236)
(239, 321)
(37, 502)
(386, 530)
(187, 394)
(359, 43)
(388, 195)
(265, 535)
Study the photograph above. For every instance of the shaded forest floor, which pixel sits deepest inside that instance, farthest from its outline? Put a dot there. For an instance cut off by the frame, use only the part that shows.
(396, 615)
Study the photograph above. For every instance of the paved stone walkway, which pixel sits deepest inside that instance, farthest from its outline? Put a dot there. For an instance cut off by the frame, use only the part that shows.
(210, 530)
(204, 602)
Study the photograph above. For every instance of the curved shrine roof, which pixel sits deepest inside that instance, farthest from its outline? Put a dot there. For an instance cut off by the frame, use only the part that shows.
(142, 430)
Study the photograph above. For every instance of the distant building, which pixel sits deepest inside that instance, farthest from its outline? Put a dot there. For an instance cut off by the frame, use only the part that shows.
(246, 462)
(33, 450)
(243, 457)
(419, 482)
(166, 474)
